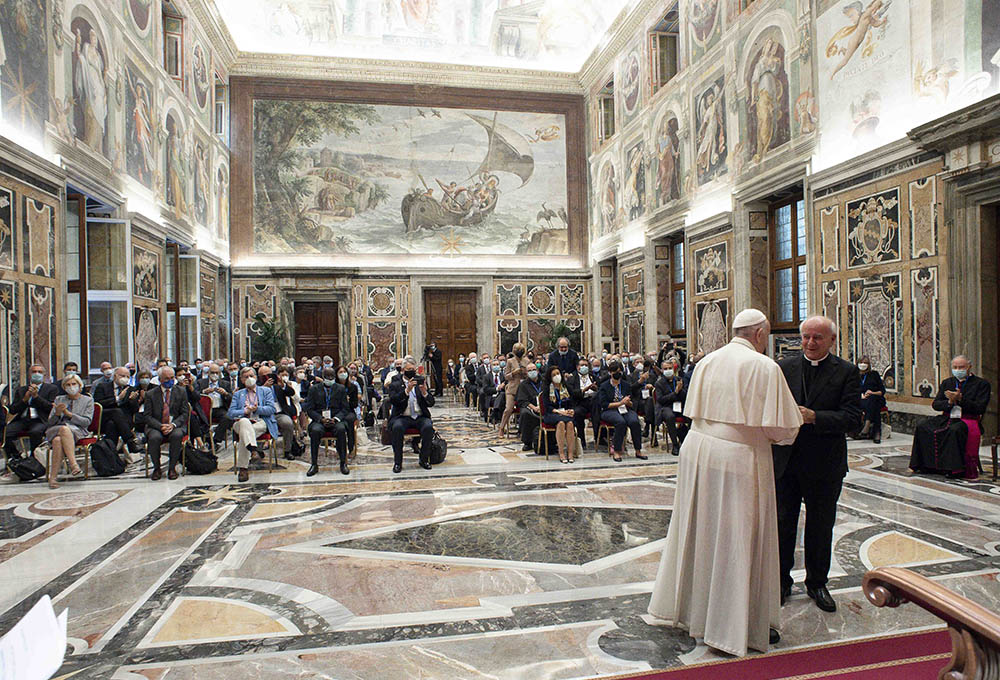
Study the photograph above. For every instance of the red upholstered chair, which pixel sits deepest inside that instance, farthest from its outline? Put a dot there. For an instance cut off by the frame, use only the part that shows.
(269, 443)
(543, 429)
(85, 443)
(184, 441)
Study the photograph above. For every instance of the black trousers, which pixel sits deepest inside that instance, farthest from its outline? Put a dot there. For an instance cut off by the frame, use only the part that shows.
(872, 408)
(438, 380)
(581, 412)
(222, 425)
(471, 395)
(529, 421)
(820, 497)
(33, 428)
(668, 416)
(628, 421)
(154, 440)
(115, 423)
(318, 431)
(398, 428)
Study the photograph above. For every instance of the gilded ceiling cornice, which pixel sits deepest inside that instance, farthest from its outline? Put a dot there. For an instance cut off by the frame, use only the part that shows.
(256, 64)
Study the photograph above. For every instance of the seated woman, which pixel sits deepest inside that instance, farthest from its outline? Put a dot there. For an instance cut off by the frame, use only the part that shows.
(872, 398)
(557, 404)
(68, 422)
(614, 398)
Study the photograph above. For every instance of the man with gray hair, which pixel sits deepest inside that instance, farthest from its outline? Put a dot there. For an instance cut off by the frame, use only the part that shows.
(812, 470)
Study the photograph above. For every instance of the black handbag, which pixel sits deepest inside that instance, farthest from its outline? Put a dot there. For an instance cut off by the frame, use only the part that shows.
(105, 459)
(439, 449)
(199, 462)
(26, 468)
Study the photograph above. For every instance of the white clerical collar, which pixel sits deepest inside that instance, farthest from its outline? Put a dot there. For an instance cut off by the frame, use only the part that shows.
(818, 361)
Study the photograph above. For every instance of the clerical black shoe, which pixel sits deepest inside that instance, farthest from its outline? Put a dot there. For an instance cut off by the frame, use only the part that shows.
(289, 456)
(823, 598)
(313, 469)
(774, 637)
(786, 592)
(344, 470)
(425, 465)
(243, 475)
(157, 474)
(133, 446)
(397, 468)
(172, 474)
(526, 447)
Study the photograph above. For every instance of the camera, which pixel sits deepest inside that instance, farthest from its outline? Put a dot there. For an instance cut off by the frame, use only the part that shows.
(419, 379)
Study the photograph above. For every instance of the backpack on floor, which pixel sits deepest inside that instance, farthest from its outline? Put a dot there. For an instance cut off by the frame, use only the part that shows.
(439, 449)
(26, 468)
(199, 462)
(105, 459)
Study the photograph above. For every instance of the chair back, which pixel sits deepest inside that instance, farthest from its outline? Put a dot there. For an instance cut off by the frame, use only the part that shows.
(541, 407)
(206, 407)
(95, 421)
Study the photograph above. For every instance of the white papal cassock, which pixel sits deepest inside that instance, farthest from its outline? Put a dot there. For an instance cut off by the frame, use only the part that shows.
(718, 577)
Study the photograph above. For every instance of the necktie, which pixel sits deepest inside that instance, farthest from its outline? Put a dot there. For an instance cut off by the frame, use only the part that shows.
(165, 416)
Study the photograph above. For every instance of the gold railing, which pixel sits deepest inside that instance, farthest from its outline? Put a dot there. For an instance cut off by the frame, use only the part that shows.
(975, 630)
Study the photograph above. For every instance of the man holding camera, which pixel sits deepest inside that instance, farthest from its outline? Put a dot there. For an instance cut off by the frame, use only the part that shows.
(411, 402)
(433, 355)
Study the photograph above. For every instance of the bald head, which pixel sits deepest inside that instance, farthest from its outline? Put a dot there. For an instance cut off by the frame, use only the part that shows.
(818, 335)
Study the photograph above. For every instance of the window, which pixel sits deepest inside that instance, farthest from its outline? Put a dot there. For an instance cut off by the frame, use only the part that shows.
(677, 319)
(173, 43)
(789, 302)
(663, 53)
(606, 112)
(221, 108)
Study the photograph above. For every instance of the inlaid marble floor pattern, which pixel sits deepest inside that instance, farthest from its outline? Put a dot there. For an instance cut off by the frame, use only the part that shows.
(495, 564)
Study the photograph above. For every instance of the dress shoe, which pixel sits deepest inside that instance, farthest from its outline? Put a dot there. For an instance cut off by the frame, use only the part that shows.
(641, 456)
(526, 447)
(172, 474)
(877, 440)
(243, 475)
(786, 592)
(344, 469)
(133, 446)
(289, 456)
(313, 469)
(823, 598)
(397, 468)
(157, 474)
(425, 465)
(774, 637)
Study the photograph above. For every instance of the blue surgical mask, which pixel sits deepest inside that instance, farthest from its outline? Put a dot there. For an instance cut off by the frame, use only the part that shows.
(496, 369)
(503, 363)
(167, 384)
(960, 373)
(533, 375)
(37, 378)
(144, 382)
(584, 370)
(330, 382)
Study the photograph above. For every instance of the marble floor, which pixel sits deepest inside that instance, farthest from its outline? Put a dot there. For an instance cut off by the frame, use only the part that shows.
(495, 564)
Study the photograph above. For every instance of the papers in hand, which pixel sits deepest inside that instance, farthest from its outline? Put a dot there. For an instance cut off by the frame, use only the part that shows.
(34, 649)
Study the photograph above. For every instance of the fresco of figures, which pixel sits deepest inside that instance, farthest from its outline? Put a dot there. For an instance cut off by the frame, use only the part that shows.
(668, 159)
(140, 157)
(24, 54)
(89, 63)
(357, 178)
(767, 102)
(711, 143)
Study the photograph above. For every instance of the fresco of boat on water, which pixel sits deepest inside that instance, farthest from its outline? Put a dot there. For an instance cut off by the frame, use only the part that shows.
(357, 178)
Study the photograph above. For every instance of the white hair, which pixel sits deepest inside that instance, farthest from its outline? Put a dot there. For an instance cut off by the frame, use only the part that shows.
(830, 323)
(962, 356)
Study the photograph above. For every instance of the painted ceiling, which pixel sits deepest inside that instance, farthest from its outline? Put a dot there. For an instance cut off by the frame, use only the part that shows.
(551, 35)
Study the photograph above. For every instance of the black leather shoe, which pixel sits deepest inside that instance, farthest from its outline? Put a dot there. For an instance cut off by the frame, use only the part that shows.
(133, 446)
(877, 440)
(397, 468)
(786, 592)
(774, 637)
(243, 475)
(823, 598)
(289, 456)
(344, 470)
(157, 474)
(172, 474)
(313, 469)
(526, 447)
(425, 465)
(641, 456)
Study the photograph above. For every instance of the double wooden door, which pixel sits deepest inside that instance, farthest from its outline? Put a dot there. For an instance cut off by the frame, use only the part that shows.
(317, 330)
(450, 321)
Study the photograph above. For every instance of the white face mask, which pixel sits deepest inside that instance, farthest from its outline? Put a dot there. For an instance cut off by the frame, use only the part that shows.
(72, 389)
(556, 379)
(250, 382)
(863, 367)
(669, 373)
(122, 382)
(107, 372)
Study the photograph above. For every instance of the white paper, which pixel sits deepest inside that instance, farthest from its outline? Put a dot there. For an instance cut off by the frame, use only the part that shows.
(645, 394)
(35, 648)
(678, 408)
(216, 399)
(623, 409)
(956, 411)
(326, 413)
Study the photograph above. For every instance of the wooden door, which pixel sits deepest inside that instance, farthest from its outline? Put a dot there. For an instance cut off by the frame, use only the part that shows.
(317, 330)
(450, 321)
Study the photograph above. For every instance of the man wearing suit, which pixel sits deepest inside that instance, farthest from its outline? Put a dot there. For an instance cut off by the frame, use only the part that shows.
(564, 357)
(252, 412)
(812, 470)
(582, 388)
(482, 377)
(433, 355)
(330, 411)
(471, 389)
(112, 395)
(166, 418)
(411, 404)
(30, 407)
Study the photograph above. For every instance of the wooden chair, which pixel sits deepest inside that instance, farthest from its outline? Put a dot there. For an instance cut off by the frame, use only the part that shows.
(266, 441)
(85, 443)
(543, 429)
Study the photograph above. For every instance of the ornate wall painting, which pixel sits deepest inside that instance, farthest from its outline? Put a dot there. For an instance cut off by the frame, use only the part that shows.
(608, 201)
(140, 112)
(711, 142)
(541, 300)
(222, 203)
(925, 340)
(201, 76)
(712, 268)
(806, 113)
(382, 340)
(634, 331)
(703, 19)
(538, 336)
(140, 15)
(607, 308)
(923, 218)
(261, 298)
(873, 229)
(767, 106)
(24, 60)
(145, 273)
(831, 300)
(713, 324)
(202, 180)
(147, 336)
(668, 160)
(572, 299)
(90, 75)
(829, 239)
(390, 179)
(175, 165)
(38, 235)
(874, 326)
(7, 230)
(41, 346)
(508, 299)
(633, 288)
(635, 181)
(10, 335)
(629, 85)
(508, 333)
(381, 301)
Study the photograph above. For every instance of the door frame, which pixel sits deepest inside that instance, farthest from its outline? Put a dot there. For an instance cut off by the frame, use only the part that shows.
(484, 310)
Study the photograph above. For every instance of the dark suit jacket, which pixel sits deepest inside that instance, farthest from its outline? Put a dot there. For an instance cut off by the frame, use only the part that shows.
(567, 363)
(975, 396)
(820, 449)
(202, 384)
(283, 399)
(606, 394)
(669, 390)
(340, 402)
(527, 393)
(573, 385)
(47, 392)
(399, 399)
(179, 407)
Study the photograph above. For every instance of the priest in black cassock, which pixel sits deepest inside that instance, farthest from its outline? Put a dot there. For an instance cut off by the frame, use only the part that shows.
(949, 442)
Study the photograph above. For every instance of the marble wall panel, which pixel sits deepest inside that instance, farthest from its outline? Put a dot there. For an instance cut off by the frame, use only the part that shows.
(39, 237)
(785, 344)
(538, 336)
(713, 324)
(541, 300)
(508, 299)
(381, 342)
(634, 331)
(381, 301)
(829, 239)
(6, 228)
(663, 299)
(925, 334)
(508, 333)
(831, 301)
(873, 229)
(572, 299)
(760, 293)
(923, 217)
(42, 334)
(875, 326)
(607, 307)
(633, 287)
(10, 334)
(261, 298)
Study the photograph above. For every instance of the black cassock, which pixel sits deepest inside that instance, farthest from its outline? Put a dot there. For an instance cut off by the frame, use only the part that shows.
(939, 442)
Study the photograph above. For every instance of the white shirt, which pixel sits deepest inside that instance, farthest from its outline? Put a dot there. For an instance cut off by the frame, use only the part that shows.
(412, 407)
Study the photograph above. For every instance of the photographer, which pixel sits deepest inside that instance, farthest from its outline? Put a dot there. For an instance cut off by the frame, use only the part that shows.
(411, 404)
(433, 355)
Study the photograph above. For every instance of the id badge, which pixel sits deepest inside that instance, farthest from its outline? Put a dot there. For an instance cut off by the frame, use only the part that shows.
(956, 411)
(326, 413)
(623, 409)
(645, 394)
(678, 408)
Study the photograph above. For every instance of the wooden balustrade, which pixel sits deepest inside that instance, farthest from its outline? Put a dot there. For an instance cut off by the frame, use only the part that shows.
(975, 630)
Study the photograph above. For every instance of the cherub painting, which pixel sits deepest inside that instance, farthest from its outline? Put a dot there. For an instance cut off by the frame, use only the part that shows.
(862, 19)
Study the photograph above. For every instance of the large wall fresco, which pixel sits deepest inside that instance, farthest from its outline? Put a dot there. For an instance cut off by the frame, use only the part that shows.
(369, 178)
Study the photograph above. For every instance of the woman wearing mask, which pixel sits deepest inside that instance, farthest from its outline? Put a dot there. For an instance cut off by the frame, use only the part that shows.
(872, 397)
(557, 404)
(615, 406)
(515, 370)
(68, 422)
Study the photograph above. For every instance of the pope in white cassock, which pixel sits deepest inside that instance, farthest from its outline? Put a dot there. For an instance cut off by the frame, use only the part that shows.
(718, 577)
